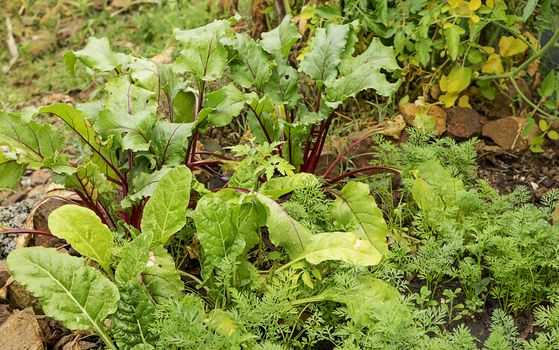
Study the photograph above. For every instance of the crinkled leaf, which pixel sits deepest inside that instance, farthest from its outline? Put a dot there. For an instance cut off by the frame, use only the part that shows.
(325, 54)
(203, 54)
(225, 227)
(169, 141)
(97, 55)
(284, 230)
(279, 40)
(131, 131)
(161, 276)
(69, 291)
(222, 105)
(342, 246)
(364, 72)
(33, 144)
(89, 180)
(282, 86)
(132, 323)
(128, 98)
(251, 65)
(143, 185)
(355, 210)
(134, 258)
(83, 229)
(165, 212)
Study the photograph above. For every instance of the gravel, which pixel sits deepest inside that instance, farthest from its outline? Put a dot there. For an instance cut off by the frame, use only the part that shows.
(13, 216)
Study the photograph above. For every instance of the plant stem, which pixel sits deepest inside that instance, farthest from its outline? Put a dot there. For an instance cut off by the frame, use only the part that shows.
(15, 231)
(374, 169)
(527, 100)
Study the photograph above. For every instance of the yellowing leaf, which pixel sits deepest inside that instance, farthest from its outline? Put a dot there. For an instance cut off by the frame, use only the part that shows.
(464, 101)
(510, 46)
(474, 5)
(490, 3)
(454, 3)
(488, 49)
(493, 64)
(448, 99)
(457, 80)
(474, 19)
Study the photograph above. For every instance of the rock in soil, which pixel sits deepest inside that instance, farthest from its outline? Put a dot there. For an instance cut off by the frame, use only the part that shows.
(463, 123)
(21, 332)
(505, 132)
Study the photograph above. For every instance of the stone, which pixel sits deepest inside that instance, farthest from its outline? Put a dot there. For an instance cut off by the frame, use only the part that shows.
(21, 332)
(40, 177)
(505, 132)
(463, 123)
(19, 297)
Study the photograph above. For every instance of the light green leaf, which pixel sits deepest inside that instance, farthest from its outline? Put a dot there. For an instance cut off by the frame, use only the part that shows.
(134, 258)
(452, 34)
(279, 40)
(547, 86)
(10, 172)
(355, 210)
(342, 246)
(131, 131)
(364, 72)
(529, 9)
(89, 180)
(222, 105)
(251, 66)
(97, 55)
(161, 277)
(283, 85)
(32, 143)
(203, 53)
(284, 230)
(143, 185)
(83, 229)
(169, 141)
(326, 51)
(128, 98)
(553, 135)
(280, 186)
(132, 323)
(165, 212)
(435, 187)
(69, 291)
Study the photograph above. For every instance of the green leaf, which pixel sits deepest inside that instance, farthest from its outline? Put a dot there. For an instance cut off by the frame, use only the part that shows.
(131, 131)
(134, 258)
(364, 72)
(165, 212)
(529, 9)
(251, 66)
(82, 228)
(280, 186)
(553, 135)
(284, 230)
(89, 180)
(11, 172)
(97, 55)
(342, 246)
(544, 126)
(263, 120)
(283, 85)
(325, 54)
(161, 277)
(77, 122)
(279, 40)
(435, 187)
(69, 291)
(452, 35)
(184, 105)
(547, 86)
(224, 104)
(132, 323)
(143, 185)
(203, 53)
(128, 98)
(225, 227)
(457, 80)
(169, 141)
(355, 210)
(32, 143)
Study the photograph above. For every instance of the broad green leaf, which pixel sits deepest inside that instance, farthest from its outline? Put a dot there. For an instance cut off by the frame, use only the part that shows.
(364, 72)
(326, 51)
(161, 277)
(282, 86)
(435, 187)
(280, 186)
(131, 131)
(547, 86)
(165, 212)
(77, 122)
(342, 246)
(355, 210)
(279, 40)
(128, 98)
(423, 51)
(132, 323)
(225, 227)
(32, 143)
(222, 105)
(134, 258)
(366, 299)
(145, 74)
(510, 46)
(69, 291)
(251, 66)
(83, 229)
(11, 172)
(169, 141)
(143, 185)
(203, 54)
(284, 230)
(89, 180)
(184, 105)
(97, 55)
(263, 120)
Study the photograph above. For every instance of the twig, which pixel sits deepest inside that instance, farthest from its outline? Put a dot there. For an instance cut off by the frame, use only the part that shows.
(12, 47)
